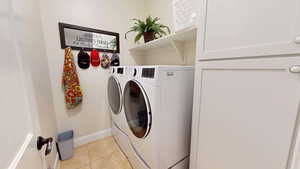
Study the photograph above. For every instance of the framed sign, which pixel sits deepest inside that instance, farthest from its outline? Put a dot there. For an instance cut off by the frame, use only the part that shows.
(78, 37)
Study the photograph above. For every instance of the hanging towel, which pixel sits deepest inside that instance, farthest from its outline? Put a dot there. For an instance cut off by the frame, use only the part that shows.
(71, 85)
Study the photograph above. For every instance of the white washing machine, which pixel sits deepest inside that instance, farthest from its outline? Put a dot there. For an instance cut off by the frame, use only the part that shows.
(115, 86)
(158, 109)
(130, 73)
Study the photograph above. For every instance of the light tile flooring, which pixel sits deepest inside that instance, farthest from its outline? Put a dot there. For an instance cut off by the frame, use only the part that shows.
(101, 154)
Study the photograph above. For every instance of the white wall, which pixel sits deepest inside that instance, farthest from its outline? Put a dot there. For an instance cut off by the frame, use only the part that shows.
(164, 10)
(26, 99)
(112, 15)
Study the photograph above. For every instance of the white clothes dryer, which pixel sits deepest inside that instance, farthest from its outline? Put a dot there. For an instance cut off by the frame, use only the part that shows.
(158, 109)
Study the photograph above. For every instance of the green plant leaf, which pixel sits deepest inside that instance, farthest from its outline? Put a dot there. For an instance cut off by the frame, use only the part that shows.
(138, 37)
(166, 27)
(149, 25)
(128, 32)
(162, 32)
(156, 19)
(148, 20)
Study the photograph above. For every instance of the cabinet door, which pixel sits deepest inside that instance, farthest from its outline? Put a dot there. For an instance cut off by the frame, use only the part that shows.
(248, 28)
(246, 114)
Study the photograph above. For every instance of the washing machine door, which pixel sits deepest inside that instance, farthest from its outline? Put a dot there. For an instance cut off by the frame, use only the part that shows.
(114, 93)
(137, 109)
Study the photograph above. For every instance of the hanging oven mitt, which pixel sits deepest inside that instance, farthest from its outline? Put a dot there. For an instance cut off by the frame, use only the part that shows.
(70, 81)
(95, 58)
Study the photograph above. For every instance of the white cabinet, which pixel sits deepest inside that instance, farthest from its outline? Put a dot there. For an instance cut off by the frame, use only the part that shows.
(184, 14)
(248, 28)
(245, 114)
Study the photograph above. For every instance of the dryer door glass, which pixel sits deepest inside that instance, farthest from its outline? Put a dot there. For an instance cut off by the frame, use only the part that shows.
(137, 109)
(114, 94)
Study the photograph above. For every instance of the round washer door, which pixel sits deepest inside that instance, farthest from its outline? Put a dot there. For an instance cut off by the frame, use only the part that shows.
(137, 109)
(114, 94)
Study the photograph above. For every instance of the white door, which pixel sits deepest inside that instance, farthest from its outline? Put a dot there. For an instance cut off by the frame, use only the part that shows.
(19, 122)
(18, 125)
(248, 28)
(246, 114)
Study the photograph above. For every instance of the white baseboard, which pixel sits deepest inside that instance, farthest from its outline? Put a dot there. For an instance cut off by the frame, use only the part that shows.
(28, 140)
(92, 137)
(56, 164)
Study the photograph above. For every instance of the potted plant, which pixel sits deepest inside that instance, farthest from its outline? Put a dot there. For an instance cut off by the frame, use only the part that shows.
(150, 29)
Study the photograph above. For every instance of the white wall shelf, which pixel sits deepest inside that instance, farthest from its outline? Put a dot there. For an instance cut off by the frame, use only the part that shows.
(176, 41)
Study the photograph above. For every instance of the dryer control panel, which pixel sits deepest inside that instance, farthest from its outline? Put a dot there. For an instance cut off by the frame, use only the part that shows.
(148, 72)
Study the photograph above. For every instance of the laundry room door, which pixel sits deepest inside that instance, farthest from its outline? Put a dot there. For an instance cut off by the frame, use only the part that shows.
(26, 109)
(137, 109)
(114, 93)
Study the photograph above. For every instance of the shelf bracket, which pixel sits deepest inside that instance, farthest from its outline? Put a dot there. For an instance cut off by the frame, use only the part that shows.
(179, 48)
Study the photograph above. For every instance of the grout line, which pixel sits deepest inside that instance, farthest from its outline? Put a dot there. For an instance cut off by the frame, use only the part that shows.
(118, 151)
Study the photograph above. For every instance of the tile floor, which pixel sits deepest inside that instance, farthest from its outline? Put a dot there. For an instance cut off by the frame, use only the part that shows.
(101, 154)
